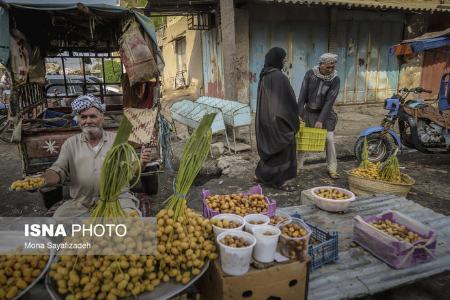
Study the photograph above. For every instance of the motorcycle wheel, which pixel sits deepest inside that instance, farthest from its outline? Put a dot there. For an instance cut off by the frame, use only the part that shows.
(376, 154)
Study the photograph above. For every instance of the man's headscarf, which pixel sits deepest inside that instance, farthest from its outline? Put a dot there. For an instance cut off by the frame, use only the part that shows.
(84, 102)
(328, 58)
(274, 58)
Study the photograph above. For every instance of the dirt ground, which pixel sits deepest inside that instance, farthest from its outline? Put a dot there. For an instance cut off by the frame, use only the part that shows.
(234, 173)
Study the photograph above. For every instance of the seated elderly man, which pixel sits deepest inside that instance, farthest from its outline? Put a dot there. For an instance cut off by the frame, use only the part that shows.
(81, 158)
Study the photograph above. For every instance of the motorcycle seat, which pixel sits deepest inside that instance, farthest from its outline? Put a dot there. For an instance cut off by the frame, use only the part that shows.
(416, 103)
(442, 118)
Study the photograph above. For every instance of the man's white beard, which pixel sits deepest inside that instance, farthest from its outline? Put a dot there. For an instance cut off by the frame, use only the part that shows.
(92, 132)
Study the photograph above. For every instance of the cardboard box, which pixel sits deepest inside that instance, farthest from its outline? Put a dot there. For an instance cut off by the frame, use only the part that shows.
(283, 281)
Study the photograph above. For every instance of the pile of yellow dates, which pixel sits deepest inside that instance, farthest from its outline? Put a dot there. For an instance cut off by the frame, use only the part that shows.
(29, 183)
(371, 172)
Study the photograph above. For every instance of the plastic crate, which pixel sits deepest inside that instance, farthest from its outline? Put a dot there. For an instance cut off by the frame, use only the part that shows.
(209, 212)
(326, 251)
(311, 139)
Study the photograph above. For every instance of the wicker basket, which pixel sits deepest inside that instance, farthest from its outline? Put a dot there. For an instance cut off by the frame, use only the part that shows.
(364, 186)
(311, 139)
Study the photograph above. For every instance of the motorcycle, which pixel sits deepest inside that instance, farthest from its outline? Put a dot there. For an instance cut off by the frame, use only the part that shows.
(420, 125)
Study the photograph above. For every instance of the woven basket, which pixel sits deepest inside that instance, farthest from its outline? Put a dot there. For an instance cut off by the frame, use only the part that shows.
(311, 139)
(364, 186)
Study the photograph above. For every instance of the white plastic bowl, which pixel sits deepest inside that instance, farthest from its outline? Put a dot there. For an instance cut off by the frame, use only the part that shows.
(230, 217)
(332, 205)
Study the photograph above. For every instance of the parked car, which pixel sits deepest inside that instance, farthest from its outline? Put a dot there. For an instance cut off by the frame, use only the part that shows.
(76, 85)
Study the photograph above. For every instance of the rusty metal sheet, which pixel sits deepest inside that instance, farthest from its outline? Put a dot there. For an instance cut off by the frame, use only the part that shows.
(212, 63)
(39, 148)
(380, 4)
(436, 62)
(358, 273)
(45, 144)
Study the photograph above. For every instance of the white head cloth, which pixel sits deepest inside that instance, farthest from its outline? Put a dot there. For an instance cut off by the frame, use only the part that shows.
(84, 102)
(328, 58)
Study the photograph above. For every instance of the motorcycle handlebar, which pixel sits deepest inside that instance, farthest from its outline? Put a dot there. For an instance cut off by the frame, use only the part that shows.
(416, 90)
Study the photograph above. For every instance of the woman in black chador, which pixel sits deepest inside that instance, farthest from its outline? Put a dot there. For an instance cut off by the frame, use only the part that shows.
(276, 124)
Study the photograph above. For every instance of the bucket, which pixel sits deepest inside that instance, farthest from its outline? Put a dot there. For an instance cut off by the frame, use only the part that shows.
(236, 261)
(263, 219)
(230, 217)
(294, 247)
(266, 244)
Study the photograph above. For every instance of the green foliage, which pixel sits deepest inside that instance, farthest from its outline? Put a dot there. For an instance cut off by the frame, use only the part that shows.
(133, 3)
(158, 21)
(112, 71)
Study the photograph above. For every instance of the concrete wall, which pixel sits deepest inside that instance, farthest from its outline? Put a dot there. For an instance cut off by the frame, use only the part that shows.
(242, 55)
(177, 28)
(411, 66)
(228, 39)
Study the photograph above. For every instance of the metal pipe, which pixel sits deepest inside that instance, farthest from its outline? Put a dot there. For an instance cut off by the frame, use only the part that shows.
(369, 47)
(84, 77)
(64, 75)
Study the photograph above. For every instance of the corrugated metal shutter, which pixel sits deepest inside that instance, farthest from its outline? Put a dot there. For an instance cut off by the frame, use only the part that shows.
(368, 73)
(303, 41)
(212, 63)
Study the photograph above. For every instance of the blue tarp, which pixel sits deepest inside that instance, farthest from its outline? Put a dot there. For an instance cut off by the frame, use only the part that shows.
(430, 40)
(420, 46)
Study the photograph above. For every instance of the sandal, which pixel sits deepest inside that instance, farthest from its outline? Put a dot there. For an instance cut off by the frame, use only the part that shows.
(285, 187)
(333, 175)
(256, 179)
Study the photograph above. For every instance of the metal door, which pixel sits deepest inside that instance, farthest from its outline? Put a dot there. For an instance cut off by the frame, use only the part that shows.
(303, 41)
(367, 72)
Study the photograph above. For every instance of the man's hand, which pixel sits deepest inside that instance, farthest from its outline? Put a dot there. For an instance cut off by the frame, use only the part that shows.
(145, 156)
(51, 178)
(318, 125)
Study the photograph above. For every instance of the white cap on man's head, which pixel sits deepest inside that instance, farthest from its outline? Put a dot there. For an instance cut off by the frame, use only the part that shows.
(328, 58)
